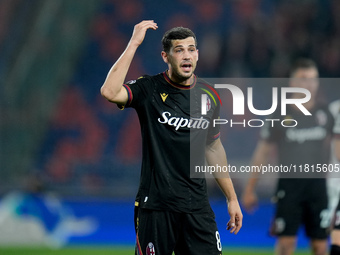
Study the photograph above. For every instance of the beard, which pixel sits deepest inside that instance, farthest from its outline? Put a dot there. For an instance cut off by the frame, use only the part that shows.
(180, 75)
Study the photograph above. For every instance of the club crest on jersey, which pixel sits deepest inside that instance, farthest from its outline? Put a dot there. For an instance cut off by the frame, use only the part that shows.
(208, 104)
(164, 96)
(150, 249)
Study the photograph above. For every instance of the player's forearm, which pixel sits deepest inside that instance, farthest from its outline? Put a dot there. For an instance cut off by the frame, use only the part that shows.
(227, 187)
(252, 181)
(259, 158)
(117, 74)
(112, 88)
(215, 155)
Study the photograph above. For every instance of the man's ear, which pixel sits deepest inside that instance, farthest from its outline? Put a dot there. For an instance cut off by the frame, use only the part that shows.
(165, 56)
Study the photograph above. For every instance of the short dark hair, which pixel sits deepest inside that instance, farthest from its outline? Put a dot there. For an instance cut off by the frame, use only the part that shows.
(302, 63)
(176, 33)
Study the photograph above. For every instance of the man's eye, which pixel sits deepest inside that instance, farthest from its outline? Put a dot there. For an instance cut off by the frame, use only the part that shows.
(179, 50)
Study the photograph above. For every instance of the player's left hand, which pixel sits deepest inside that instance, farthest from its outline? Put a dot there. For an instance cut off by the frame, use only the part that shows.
(236, 217)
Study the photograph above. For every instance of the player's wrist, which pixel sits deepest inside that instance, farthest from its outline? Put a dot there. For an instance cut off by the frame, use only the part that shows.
(232, 200)
(133, 44)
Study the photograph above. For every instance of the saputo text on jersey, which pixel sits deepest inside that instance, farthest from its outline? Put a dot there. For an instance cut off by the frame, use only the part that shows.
(180, 122)
(201, 123)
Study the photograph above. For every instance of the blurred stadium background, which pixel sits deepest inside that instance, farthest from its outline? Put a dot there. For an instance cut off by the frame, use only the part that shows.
(55, 126)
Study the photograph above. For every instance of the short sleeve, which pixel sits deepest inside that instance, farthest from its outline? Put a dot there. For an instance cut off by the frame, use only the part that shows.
(214, 131)
(137, 91)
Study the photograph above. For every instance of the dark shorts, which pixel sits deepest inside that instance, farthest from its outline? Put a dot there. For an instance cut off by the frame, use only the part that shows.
(337, 217)
(162, 232)
(301, 202)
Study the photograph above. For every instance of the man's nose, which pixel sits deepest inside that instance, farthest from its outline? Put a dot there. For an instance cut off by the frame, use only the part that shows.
(186, 55)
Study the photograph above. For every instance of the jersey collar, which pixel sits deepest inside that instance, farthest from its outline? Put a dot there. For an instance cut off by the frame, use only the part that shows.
(177, 85)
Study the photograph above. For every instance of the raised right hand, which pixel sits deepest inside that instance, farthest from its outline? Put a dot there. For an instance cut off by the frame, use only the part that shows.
(139, 31)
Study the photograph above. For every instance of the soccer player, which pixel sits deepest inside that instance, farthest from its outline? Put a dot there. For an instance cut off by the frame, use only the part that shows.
(335, 235)
(300, 199)
(173, 210)
(333, 180)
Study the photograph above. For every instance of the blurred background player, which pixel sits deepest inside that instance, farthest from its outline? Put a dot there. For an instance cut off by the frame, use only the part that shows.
(301, 200)
(173, 209)
(335, 235)
(333, 180)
